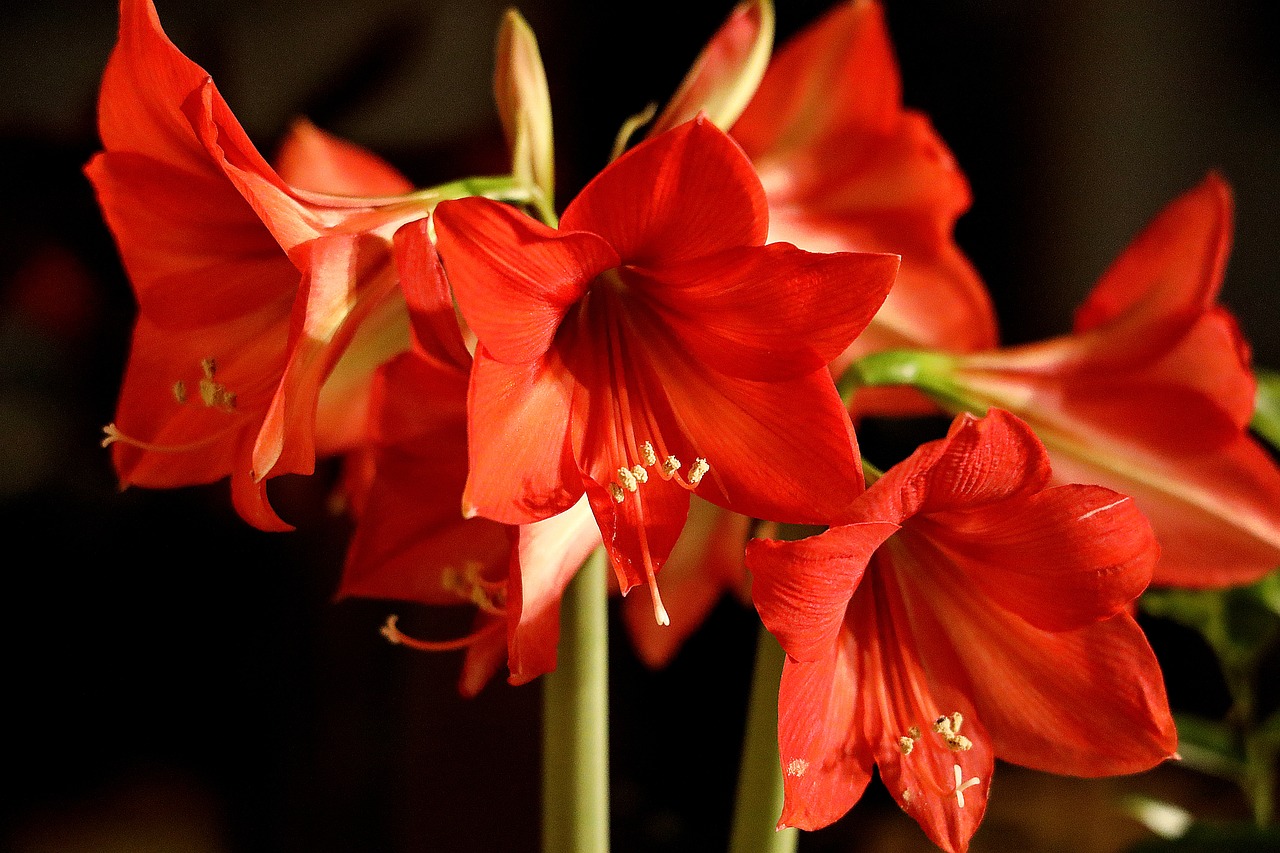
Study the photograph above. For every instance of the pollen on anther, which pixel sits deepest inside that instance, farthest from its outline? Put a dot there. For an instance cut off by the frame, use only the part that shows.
(618, 494)
(906, 744)
(670, 465)
(647, 454)
(641, 475)
(208, 366)
(959, 743)
(698, 470)
(914, 733)
(180, 391)
(627, 479)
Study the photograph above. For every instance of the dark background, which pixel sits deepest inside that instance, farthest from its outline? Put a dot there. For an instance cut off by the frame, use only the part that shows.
(176, 681)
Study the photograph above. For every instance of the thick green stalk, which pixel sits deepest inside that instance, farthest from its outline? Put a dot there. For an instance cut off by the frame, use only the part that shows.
(759, 804)
(575, 720)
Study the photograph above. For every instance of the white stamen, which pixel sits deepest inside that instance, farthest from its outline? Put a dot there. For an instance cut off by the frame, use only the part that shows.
(647, 454)
(670, 465)
(627, 479)
(641, 475)
(618, 495)
(698, 470)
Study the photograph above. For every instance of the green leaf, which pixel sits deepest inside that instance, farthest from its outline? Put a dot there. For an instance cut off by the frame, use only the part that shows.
(1266, 406)
(1216, 838)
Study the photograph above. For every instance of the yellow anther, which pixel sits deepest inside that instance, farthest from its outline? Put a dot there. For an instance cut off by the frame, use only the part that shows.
(698, 470)
(959, 743)
(670, 465)
(956, 722)
(914, 733)
(647, 454)
(641, 475)
(906, 744)
(627, 480)
(209, 367)
(180, 391)
(216, 396)
(616, 491)
(942, 726)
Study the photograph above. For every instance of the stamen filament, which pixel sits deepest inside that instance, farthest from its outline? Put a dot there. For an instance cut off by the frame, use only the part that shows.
(398, 638)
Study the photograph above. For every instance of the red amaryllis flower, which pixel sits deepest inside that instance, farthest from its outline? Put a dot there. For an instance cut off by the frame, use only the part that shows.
(654, 345)
(966, 613)
(411, 543)
(1151, 394)
(846, 168)
(249, 289)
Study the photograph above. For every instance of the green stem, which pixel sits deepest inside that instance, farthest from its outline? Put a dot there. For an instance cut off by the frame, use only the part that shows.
(760, 794)
(575, 720)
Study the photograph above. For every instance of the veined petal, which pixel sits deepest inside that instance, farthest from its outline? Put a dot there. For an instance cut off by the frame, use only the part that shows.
(547, 556)
(514, 277)
(289, 221)
(195, 251)
(782, 451)
(146, 81)
(346, 277)
(1084, 702)
(410, 541)
(826, 765)
(677, 197)
(801, 588)
(905, 691)
(437, 334)
(320, 162)
(770, 312)
(981, 461)
(837, 74)
(521, 466)
(1061, 559)
(727, 71)
(1162, 283)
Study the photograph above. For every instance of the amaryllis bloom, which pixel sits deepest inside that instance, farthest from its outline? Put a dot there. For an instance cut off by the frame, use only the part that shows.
(249, 289)
(411, 543)
(1151, 394)
(966, 612)
(653, 346)
(846, 168)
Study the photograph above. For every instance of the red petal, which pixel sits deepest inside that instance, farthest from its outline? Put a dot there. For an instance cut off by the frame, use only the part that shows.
(521, 467)
(410, 531)
(1167, 277)
(143, 88)
(426, 291)
(802, 589)
(825, 765)
(195, 251)
(838, 73)
(514, 278)
(769, 312)
(981, 461)
(346, 278)
(1086, 702)
(548, 555)
(321, 162)
(782, 451)
(677, 197)
(1061, 559)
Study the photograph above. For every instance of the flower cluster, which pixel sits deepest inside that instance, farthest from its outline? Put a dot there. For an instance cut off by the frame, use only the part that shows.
(677, 362)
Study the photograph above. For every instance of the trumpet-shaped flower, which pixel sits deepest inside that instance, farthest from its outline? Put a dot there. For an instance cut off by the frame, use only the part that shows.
(249, 289)
(966, 612)
(653, 346)
(846, 168)
(1151, 394)
(411, 543)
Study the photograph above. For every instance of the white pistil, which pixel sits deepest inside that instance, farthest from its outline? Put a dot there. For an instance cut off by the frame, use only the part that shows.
(962, 785)
(698, 470)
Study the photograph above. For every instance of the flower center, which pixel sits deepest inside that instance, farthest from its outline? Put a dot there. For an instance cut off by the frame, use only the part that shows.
(947, 730)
